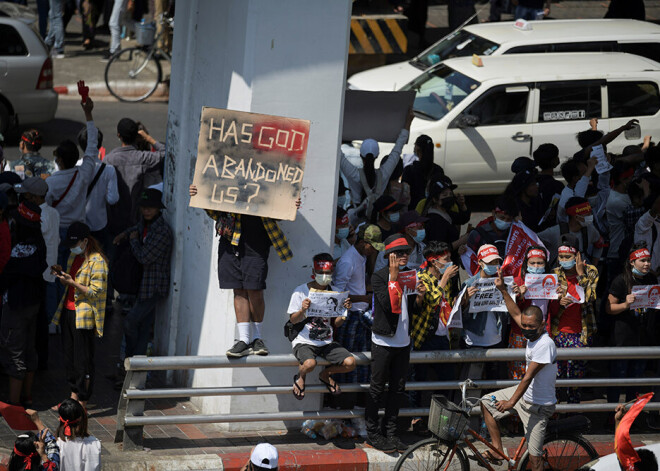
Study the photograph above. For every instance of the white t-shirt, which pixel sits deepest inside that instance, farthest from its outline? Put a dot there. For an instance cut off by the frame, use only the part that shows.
(80, 454)
(318, 330)
(401, 336)
(350, 275)
(541, 391)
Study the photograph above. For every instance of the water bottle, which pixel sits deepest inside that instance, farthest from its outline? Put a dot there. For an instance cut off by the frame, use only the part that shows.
(483, 431)
(308, 429)
(493, 400)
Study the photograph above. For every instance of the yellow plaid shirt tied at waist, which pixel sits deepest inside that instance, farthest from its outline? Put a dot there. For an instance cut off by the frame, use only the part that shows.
(436, 307)
(90, 306)
(228, 225)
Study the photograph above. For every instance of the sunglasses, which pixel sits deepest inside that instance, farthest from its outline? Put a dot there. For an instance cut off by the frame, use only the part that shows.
(401, 253)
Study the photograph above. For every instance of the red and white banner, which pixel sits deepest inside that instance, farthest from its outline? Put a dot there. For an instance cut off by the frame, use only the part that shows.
(542, 286)
(470, 261)
(408, 280)
(575, 293)
(520, 239)
(646, 296)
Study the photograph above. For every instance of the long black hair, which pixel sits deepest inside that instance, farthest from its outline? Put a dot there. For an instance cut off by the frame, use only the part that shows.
(24, 444)
(425, 144)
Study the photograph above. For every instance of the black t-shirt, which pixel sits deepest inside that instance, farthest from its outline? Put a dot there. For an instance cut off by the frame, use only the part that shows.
(532, 214)
(628, 324)
(548, 187)
(439, 229)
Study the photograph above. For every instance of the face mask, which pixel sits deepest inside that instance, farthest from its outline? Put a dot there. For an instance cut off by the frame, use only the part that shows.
(342, 233)
(444, 269)
(535, 270)
(421, 235)
(531, 334)
(637, 272)
(341, 201)
(567, 265)
(77, 250)
(491, 269)
(587, 220)
(323, 279)
(448, 203)
(394, 217)
(502, 225)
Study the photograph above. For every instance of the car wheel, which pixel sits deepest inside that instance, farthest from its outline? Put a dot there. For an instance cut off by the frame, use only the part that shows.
(4, 118)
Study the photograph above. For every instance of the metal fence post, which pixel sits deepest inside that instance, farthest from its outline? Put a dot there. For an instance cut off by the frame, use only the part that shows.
(133, 435)
(121, 408)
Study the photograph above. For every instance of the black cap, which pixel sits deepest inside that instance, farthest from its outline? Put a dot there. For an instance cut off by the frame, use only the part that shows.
(522, 180)
(77, 232)
(151, 198)
(386, 203)
(521, 164)
(440, 184)
(396, 242)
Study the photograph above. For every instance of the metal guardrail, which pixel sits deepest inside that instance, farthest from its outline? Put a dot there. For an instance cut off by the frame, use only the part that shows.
(131, 418)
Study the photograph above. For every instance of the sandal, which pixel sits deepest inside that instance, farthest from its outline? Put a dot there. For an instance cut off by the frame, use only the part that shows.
(298, 392)
(492, 459)
(334, 390)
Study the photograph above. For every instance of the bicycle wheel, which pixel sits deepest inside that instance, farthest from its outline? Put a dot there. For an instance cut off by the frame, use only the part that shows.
(432, 454)
(563, 452)
(132, 74)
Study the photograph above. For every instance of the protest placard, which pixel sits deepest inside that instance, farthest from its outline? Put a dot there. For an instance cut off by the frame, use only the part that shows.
(603, 165)
(542, 286)
(327, 303)
(376, 115)
(456, 317)
(488, 297)
(646, 296)
(408, 280)
(250, 163)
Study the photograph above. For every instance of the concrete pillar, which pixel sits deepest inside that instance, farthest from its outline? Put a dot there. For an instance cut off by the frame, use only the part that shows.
(284, 58)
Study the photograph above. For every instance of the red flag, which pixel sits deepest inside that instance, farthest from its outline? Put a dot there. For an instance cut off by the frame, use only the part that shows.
(520, 239)
(16, 417)
(396, 295)
(622, 445)
(470, 261)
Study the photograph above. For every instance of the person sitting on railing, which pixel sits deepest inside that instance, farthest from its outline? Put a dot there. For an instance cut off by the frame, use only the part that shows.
(311, 336)
(263, 456)
(534, 398)
(572, 319)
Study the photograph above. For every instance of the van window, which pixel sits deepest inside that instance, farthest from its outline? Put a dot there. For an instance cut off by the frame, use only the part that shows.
(498, 106)
(564, 101)
(11, 43)
(460, 43)
(649, 50)
(632, 99)
(592, 46)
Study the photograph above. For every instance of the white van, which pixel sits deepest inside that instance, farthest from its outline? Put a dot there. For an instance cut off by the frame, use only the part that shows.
(494, 39)
(482, 117)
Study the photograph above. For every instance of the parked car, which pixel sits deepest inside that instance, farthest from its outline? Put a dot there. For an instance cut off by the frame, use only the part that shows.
(482, 117)
(26, 76)
(494, 39)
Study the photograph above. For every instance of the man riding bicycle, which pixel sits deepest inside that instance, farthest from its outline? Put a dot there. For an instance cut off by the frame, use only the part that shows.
(534, 398)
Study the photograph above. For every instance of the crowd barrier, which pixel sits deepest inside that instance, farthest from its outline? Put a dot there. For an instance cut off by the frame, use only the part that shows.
(130, 410)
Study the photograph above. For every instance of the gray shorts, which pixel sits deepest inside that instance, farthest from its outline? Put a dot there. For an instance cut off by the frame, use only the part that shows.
(333, 352)
(533, 416)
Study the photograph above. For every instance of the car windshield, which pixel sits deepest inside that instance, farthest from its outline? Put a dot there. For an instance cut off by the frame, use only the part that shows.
(458, 44)
(439, 90)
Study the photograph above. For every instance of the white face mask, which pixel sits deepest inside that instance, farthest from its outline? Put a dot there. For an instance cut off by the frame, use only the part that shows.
(324, 279)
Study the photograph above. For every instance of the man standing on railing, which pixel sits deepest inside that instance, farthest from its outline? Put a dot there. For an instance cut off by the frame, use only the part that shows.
(534, 398)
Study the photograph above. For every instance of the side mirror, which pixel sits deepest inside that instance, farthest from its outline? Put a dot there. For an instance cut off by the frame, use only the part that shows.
(467, 121)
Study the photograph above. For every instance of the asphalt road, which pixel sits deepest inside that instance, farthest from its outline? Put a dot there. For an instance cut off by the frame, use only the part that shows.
(69, 120)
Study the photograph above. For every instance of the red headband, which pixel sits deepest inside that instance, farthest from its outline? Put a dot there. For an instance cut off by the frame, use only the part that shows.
(639, 253)
(389, 206)
(581, 209)
(67, 425)
(432, 259)
(567, 249)
(400, 242)
(342, 221)
(536, 253)
(28, 214)
(323, 265)
(487, 252)
(27, 459)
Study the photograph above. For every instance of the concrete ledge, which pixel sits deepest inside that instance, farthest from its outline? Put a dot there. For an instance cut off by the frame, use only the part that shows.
(100, 89)
(147, 462)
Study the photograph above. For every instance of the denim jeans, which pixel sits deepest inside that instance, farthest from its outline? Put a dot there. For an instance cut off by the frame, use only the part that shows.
(529, 14)
(115, 30)
(55, 36)
(137, 326)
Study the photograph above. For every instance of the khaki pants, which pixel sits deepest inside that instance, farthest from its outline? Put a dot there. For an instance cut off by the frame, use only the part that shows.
(533, 416)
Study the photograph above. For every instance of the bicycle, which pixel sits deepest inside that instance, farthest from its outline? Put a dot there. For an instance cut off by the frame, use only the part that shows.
(564, 448)
(130, 71)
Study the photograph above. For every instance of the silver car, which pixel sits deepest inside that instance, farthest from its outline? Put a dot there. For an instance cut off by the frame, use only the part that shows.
(26, 76)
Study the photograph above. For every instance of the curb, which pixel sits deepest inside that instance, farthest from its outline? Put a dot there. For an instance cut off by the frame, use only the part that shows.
(100, 89)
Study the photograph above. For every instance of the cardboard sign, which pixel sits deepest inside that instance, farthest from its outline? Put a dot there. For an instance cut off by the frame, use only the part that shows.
(408, 281)
(327, 303)
(250, 163)
(16, 417)
(375, 115)
(542, 286)
(646, 296)
(488, 297)
(603, 165)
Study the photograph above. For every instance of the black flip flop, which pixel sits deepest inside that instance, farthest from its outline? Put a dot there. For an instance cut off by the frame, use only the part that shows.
(334, 390)
(299, 394)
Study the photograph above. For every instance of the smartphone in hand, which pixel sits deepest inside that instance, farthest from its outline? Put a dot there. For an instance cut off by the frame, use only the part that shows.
(57, 269)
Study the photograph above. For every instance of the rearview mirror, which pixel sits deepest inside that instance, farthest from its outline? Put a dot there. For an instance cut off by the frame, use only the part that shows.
(467, 121)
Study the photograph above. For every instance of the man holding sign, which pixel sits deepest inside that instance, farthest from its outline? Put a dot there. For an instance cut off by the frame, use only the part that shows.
(311, 337)
(630, 315)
